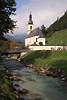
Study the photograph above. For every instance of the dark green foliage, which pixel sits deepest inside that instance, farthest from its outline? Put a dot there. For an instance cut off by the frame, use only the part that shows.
(58, 25)
(6, 91)
(43, 29)
(40, 43)
(7, 8)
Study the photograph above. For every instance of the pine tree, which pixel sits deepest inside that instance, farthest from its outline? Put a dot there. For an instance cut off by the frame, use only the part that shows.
(43, 29)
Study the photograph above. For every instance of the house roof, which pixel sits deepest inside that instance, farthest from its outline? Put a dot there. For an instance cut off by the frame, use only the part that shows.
(36, 32)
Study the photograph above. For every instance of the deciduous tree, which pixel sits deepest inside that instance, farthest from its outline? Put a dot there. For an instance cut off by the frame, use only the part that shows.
(7, 8)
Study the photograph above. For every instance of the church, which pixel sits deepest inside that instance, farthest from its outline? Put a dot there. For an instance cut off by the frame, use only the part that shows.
(34, 36)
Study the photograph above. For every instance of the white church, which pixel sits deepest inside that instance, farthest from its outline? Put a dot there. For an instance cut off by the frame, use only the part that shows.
(34, 36)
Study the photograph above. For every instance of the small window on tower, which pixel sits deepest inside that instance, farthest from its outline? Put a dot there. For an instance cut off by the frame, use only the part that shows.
(31, 27)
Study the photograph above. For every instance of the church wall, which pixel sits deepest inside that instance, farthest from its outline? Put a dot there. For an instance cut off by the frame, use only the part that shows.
(30, 41)
(41, 40)
(47, 47)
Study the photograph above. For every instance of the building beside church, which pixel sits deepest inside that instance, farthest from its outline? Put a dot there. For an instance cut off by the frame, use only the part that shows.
(34, 36)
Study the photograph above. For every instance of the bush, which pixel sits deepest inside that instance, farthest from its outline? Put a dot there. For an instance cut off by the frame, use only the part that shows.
(40, 43)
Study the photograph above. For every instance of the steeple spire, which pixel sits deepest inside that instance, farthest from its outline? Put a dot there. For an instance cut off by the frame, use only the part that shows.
(30, 24)
(30, 19)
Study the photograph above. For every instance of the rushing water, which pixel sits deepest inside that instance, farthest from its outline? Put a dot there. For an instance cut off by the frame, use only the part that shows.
(40, 87)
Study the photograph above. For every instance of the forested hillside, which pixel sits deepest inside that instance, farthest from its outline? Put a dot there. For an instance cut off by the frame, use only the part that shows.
(59, 24)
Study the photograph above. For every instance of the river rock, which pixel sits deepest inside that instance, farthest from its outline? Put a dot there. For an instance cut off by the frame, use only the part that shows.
(61, 75)
(42, 69)
(30, 79)
(38, 99)
(23, 91)
(17, 85)
(6, 77)
(63, 79)
(30, 65)
(35, 94)
(17, 95)
(14, 78)
(6, 70)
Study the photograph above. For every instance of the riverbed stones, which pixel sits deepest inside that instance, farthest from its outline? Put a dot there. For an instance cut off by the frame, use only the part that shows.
(17, 85)
(42, 69)
(17, 95)
(23, 91)
(36, 99)
(30, 65)
(14, 78)
(35, 94)
(30, 79)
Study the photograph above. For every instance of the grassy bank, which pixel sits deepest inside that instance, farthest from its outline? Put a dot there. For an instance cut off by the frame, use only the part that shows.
(58, 38)
(47, 59)
(6, 92)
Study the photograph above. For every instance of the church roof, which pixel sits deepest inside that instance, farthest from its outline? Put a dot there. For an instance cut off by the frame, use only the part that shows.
(36, 32)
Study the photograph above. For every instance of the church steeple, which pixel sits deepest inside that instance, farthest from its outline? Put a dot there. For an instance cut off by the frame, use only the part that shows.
(30, 24)
(30, 19)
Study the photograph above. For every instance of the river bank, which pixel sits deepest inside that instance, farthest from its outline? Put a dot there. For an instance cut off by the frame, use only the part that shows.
(49, 63)
(9, 90)
(6, 91)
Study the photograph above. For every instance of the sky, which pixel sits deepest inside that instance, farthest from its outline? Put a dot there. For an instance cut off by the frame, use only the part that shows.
(43, 12)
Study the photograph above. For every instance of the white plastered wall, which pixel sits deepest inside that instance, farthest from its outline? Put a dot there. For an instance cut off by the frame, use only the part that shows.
(40, 40)
(29, 30)
(46, 47)
(30, 41)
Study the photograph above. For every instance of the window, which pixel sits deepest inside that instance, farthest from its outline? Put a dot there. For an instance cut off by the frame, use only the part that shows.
(31, 27)
(36, 39)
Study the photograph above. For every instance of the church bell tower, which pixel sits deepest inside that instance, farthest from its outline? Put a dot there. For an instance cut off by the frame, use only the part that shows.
(30, 24)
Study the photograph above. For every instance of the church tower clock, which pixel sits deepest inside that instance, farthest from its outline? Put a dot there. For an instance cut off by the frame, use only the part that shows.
(30, 24)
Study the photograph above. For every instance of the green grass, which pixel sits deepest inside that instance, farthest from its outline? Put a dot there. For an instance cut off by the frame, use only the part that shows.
(58, 38)
(6, 92)
(50, 59)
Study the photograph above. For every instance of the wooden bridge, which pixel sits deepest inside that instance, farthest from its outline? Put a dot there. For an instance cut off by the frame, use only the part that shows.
(20, 52)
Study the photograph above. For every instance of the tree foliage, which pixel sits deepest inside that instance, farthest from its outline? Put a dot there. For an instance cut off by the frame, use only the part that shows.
(40, 43)
(43, 29)
(7, 8)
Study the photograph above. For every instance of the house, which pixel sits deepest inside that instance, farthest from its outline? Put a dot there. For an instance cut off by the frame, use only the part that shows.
(34, 36)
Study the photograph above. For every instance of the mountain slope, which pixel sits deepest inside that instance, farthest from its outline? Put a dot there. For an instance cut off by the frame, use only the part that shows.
(9, 37)
(17, 38)
(58, 38)
(59, 24)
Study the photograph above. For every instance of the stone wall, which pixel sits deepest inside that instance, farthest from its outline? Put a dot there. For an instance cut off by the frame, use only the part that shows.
(48, 47)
